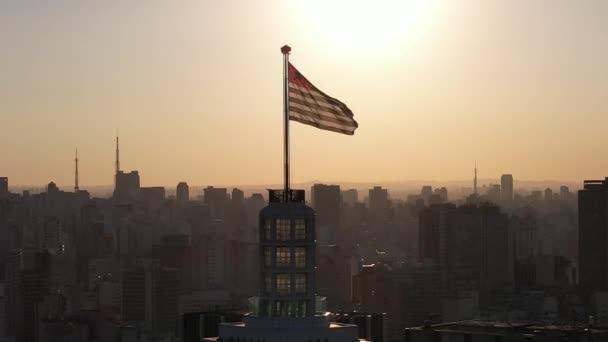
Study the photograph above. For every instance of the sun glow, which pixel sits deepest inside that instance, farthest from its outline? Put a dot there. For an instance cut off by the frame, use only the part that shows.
(365, 25)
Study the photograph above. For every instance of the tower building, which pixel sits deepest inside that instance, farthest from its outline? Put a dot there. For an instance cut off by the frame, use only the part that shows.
(287, 295)
(182, 193)
(506, 188)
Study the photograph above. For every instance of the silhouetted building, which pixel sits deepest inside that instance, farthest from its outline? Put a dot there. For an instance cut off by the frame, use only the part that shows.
(471, 244)
(494, 194)
(379, 205)
(217, 201)
(592, 238)
(150, 296)
(3, 187)
(548, 194)
(326, 203)
(182, 193)
(127, 187)
(506, 188)
(350, 196)
(564, 193)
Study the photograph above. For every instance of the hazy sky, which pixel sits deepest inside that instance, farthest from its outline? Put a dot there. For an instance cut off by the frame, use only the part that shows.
(194, 88)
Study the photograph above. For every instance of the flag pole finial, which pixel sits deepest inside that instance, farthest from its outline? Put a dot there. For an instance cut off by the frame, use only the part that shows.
(286, 49)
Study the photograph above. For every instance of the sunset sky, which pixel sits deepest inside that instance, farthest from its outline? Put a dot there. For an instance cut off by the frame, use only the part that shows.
(194, 89)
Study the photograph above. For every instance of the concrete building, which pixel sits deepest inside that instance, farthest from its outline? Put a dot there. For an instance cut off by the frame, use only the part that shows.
(287, 301)
(506, 188)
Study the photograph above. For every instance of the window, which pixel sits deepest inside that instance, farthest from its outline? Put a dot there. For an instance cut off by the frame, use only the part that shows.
(283, 257)
(301, 308)
(283, 229)
(300, 229)
(268, 282)
(281, 308)
(300, 257)
(301, 283)
(268, 229)
(283, 283)
(267, 256)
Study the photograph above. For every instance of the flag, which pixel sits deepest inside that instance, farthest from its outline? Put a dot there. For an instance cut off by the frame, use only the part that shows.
(310, 106)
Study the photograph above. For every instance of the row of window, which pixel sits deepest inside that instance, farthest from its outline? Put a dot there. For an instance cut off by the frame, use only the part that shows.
(283, 256)
(283, 285)
(284, 308)
(283, 229)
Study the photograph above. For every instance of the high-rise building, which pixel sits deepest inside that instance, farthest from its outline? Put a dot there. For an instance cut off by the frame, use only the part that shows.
(592, 237)
(326, 203)
(287, 300)
(150, 296)
(471, 244)
(182, 193)
(127, 187)
(564, 193)
(506, 188)
(493, 194)
(3, 187)
(379, 205)
(548, 194)
(350, 196)
(217, 201)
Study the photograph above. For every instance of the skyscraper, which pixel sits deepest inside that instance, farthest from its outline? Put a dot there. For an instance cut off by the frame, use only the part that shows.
(379, 204)
(506, 188)
(326, 203)
(548, 194)
(182, 193)
(593, 232)
(217, 201)
(350, 196)
(3, 187)
(287, 299)
(127, 187)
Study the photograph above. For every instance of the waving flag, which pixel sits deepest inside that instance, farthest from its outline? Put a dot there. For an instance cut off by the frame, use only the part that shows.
(310, 106)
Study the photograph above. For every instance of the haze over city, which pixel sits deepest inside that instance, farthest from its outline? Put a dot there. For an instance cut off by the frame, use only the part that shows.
(194, 89)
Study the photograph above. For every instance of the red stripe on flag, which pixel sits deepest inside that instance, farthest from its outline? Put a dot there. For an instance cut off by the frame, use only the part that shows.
(296, 78)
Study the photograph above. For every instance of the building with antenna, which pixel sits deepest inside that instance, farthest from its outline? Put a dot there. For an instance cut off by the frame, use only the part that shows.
(475, 181)
(126, 185)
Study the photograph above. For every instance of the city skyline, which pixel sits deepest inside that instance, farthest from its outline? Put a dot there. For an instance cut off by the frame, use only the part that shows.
(509, 84)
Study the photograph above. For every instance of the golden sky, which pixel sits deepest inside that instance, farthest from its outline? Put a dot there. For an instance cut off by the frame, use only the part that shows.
(194, 88)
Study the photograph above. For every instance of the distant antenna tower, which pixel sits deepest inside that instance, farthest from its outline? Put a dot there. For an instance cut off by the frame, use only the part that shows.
(76, 187)
(117, 156)
(475, 180)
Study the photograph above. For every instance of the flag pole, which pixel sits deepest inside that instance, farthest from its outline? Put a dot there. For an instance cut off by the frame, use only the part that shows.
(286, 50)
